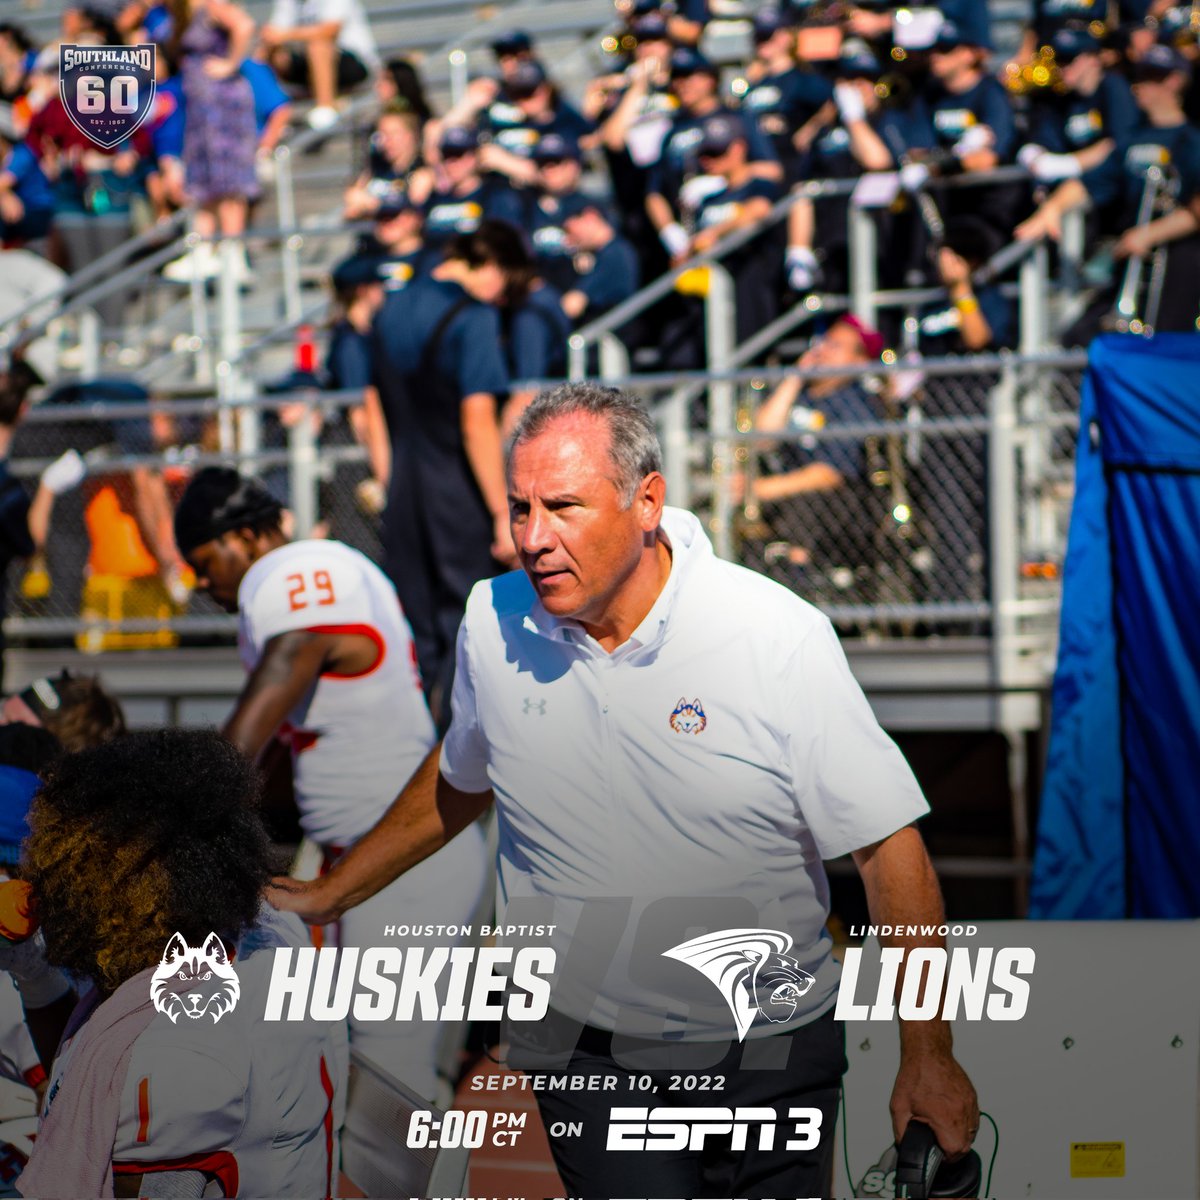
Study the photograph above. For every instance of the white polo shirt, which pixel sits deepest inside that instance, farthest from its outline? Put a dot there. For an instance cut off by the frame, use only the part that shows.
(690, 781)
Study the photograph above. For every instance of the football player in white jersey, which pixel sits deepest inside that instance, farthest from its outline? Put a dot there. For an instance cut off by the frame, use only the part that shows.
(149, 842)
(332, 671)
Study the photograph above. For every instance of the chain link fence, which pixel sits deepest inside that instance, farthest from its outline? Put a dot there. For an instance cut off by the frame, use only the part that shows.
(914, 500)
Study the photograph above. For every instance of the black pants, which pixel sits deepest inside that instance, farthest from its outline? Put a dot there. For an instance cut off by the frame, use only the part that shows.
(802, 1069)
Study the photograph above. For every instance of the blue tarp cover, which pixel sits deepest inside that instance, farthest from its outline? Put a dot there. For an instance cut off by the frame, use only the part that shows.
(1119, 831)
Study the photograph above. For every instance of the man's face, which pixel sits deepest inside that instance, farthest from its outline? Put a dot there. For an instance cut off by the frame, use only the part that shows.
(560, 175)
(840, 347)
(693, 88)
(220, 566)
(946, 64)
(459, 165)
(576, 540)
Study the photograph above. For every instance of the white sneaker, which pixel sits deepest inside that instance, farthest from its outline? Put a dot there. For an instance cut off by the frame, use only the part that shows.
(240, 267)
(200, 263)
(322, 117)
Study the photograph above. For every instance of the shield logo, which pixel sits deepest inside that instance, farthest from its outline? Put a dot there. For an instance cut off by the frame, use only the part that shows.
(107, 91)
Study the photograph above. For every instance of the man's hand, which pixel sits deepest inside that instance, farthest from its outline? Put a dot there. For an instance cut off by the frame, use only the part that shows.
(308, 899)
(932, 1087)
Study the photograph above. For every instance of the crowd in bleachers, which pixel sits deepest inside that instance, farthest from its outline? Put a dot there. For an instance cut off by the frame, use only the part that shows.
(222, 103)
(667, 152)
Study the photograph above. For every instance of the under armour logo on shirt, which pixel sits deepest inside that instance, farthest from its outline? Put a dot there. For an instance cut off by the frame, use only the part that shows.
(534, 706)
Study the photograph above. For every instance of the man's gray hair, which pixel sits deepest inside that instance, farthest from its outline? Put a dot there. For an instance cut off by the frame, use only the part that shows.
(633, 448)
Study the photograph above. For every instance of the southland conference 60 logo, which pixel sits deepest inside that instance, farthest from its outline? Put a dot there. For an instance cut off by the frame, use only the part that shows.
(757, 977)
(107, 91)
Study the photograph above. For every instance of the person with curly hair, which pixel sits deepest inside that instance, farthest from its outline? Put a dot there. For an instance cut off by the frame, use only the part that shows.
(147, 859)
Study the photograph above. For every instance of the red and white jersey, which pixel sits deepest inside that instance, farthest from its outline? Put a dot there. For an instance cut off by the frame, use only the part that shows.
(257, 1106)
(356, 739)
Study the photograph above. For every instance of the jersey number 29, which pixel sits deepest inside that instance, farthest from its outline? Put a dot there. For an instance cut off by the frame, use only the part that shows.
(299, 588)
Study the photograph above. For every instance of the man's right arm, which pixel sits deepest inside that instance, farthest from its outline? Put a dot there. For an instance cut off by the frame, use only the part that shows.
(422, 819)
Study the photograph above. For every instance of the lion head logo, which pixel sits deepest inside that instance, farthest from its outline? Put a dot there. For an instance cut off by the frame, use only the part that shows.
(688, 717)
(194, 981)
(753, 971)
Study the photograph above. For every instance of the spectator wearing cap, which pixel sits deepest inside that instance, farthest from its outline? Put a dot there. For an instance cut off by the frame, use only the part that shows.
(26, 198)
(781, 97)
(974, 128)
(1077, 131)
(535, 109)
(1051, 16)
(742, 199)
(462, 197)
(358, 296)
(398, 248)
(324, 45)
(669, 196)
(511, 50)
(606, 264)
(1164, 139)
(818, 503)
(854, 135)
(686, 19)
(394, 159)
(560, 170)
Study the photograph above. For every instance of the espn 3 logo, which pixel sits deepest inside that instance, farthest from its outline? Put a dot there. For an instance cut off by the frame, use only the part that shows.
(759, 979)
(194, 981)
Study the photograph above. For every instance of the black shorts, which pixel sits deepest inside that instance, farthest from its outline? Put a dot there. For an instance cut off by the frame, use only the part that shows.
(798, 1070)
(293, 68)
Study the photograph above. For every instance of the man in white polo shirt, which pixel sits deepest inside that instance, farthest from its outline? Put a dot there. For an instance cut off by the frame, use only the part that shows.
(674, 745)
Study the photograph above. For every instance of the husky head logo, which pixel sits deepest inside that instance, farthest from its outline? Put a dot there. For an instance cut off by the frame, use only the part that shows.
(194, 981)
(753, 971)
(688, 717)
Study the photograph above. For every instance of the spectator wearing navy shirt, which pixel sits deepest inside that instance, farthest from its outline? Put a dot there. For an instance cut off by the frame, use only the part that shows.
(397, 249)
(560, 170)
(394, 158)
(780, 96)
(1077, 131)
(536, 109)
(974, 126)
(669, 198)
(860, 134)
(742, 199)
(1166, 140)
(606, 263)
(462, 197)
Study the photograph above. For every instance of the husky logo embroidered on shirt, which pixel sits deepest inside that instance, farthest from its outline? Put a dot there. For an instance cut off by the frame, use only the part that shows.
(688, 717)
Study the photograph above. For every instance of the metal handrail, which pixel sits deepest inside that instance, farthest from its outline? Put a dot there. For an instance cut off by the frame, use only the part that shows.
(814, 189)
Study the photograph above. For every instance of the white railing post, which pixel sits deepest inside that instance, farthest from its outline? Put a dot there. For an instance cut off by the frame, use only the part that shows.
(577, 349)
(676, 444)
(291, 243)
(459, 76)
(89, 343)
(614, 358)
(720, 327)
(302, 471)
(863, 238)
(201, 344)
(1003, 532)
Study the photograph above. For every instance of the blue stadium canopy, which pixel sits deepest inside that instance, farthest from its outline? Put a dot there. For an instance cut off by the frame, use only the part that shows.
(1119, 833)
